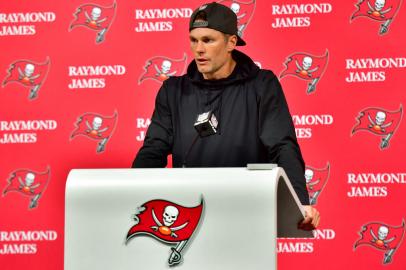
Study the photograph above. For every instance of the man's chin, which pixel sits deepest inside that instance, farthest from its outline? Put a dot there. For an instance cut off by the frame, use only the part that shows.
(203, 69)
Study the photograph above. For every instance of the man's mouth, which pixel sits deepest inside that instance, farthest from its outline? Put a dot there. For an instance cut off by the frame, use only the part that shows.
(202, 61)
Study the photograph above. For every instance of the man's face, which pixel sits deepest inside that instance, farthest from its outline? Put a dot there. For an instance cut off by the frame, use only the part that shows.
(211, 50)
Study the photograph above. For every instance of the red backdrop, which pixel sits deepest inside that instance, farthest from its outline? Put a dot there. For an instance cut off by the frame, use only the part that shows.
(79, 81)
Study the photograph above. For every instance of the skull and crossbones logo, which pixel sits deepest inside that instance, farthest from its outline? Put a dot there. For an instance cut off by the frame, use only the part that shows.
(381, 240)
(304, 68)
(377, 10)
(27, 185)
(309, 174)
(169, 217)
(95, 128)
(164, 71)
(93, 20)
(379, 123)
(27, 76)
(236, 8)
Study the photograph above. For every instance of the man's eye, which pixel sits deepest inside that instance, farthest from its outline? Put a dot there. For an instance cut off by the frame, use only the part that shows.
(207, 40)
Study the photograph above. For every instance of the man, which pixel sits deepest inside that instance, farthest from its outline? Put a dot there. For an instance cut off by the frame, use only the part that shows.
(249, 118)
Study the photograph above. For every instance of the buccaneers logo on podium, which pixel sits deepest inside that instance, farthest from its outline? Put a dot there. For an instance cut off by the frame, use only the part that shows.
(307, 67)
(167, 222)
(316, 180)
(96, 127)
(243, 10)
(382, 237)
(29, 74)
(379, 10)
(28, 183)
(380, 122)
(160, 68)
(94, 17)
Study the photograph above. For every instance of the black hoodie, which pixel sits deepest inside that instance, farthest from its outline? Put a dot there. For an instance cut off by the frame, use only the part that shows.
(255, 125)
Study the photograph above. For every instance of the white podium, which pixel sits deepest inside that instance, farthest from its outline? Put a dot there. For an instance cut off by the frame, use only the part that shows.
(195, 219)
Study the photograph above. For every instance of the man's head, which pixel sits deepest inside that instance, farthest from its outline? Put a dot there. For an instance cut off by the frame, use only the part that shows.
(213, 36)
(218, 17)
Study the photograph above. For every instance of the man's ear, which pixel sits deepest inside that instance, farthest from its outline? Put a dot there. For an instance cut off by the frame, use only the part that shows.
(231, 43)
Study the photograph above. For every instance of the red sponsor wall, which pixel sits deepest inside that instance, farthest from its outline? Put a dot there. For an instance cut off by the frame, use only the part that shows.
(79, 79)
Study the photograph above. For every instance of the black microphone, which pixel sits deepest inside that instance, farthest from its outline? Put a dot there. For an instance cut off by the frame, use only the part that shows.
(206, 124)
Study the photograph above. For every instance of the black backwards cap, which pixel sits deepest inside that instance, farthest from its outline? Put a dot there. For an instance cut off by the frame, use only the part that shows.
(218, 17)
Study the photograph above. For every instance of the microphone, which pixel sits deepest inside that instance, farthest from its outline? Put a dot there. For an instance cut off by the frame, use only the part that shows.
(206, 124)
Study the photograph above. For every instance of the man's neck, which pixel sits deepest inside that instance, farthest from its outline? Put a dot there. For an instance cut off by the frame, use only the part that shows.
(222, 73)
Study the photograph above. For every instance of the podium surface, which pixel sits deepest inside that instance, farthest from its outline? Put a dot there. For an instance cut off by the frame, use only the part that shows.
(194, 218)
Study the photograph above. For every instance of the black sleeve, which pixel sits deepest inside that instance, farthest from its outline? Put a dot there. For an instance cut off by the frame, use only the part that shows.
(277, 133)
(159, 138)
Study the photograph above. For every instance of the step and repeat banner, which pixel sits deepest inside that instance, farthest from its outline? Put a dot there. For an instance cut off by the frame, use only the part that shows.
(78, 85)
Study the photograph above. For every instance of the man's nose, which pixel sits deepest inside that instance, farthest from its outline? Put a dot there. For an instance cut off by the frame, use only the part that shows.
(200, 47)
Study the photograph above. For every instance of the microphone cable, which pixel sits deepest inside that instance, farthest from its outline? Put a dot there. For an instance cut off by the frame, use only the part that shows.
(189, 150)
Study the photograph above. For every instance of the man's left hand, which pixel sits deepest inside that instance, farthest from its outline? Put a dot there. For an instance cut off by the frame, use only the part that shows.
(311, 220)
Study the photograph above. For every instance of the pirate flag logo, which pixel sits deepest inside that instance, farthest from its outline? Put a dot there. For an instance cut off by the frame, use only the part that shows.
(96, 127)
(29, 74)
(94, 17)
(28, 183)
(381, 237)
(160, 68)
(244, 12)
(167, 222)
(307, 67)
(380, 122)
(316, 180)
(379, 10)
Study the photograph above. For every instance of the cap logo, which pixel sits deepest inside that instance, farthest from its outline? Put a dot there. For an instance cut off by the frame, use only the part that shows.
(202, 7)
(200, 24)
